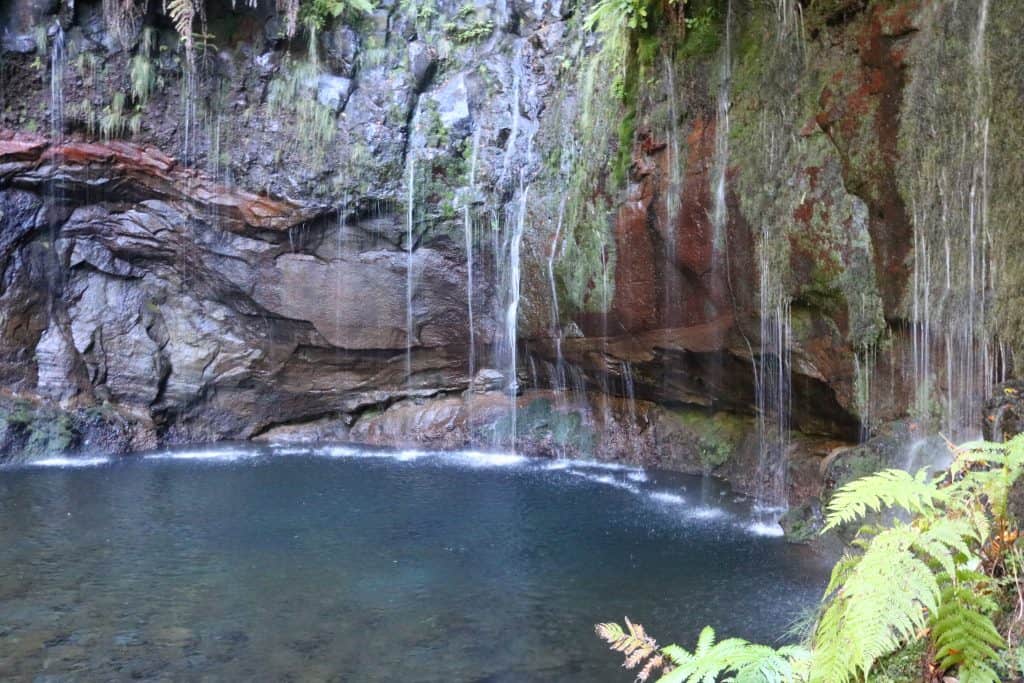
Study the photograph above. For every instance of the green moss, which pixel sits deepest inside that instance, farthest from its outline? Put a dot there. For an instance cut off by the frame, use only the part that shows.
(467, 26)
(292, 93)
(803, 523)
(1006, 203)
(704, 27)
(42, 431)
(906, 665)
(52, 435)
(541, 422)
(718, 434)
(624, 155)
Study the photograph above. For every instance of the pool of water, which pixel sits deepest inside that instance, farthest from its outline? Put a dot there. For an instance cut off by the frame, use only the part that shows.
(345, 564)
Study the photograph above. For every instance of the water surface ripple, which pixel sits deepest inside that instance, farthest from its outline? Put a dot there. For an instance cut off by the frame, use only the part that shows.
(345, 564)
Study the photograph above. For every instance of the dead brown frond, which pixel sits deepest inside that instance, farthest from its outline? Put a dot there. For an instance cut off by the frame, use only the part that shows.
(637, 646)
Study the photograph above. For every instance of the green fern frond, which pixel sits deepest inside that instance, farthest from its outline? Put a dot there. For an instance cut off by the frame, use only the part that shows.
(883, 602)
(963, 633)
(736, 661)
(888, 488)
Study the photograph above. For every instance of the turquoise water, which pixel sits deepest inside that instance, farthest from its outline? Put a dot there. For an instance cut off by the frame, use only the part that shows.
(341, 564)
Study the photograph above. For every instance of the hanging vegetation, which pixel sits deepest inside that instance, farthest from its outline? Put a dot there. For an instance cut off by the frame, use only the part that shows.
(940, 577)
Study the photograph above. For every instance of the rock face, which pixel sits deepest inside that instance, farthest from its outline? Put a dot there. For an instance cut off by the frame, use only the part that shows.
(332, 237)
(1004, 412)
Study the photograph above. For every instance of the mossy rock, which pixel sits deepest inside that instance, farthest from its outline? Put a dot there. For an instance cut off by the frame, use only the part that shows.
(803, 524)
(29, 431)
(718, 434)
(906, 665)
(544, 426)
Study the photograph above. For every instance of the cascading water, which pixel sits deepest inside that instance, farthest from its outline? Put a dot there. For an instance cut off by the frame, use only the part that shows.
(558, 373)
(772, 364)
(772, 367)
(57, 62)
(773, 390)
(673, 197)
(410, 214)
(954, 358)
(511, 245)
(512, 308)
(53, 194)
(720, 212)
(629, 391)
(467, 225)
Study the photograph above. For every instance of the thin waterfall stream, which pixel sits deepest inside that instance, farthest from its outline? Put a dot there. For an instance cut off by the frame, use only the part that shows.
(412, 340)
(410, 238)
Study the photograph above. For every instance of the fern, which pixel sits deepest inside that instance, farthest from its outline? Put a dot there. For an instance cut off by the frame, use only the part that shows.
(736, 660)
(637, 646)
(929, 577)
(183, 14)
(881, 603)
(730, 660)
(888, 488)
(962, 630)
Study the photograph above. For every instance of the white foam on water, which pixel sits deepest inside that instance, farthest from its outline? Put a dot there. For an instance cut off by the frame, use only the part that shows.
(702, 512)
(606, 479)
(293, 450)
(215, 455)
(591, 465)
(762, 509)
(486, 459)
(68, 462)
(705, 512)
(639, 477)
(407, 455)
(336, 451)
(558, 465)
(666, 497)
(765, 529)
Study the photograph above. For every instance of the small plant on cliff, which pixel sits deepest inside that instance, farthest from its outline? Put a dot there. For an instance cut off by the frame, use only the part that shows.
(937, 577)
(316, 13)
(142, 71)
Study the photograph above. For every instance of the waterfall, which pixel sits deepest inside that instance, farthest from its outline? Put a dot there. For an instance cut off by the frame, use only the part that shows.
(558, 374)
(720, 212)
(57, 60)
(513, 135)
(188, 103)
(512, 308)
(772, 364)
(954, 359)
(511, 245)
(673, 197)
(773, 388)
(467, 225)
(629, 390)
(410, 188)
(864, 364)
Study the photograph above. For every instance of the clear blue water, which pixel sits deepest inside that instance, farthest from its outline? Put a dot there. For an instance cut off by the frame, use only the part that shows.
(349, 565)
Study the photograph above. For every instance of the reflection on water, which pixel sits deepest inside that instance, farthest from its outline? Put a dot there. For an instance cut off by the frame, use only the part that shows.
(347, 564)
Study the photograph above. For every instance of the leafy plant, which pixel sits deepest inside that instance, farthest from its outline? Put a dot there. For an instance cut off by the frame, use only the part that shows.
(316, 13)
(728, 660)
(467, 27)
(141, 69)
(113, 122)
(608, 15)
(932, 572)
